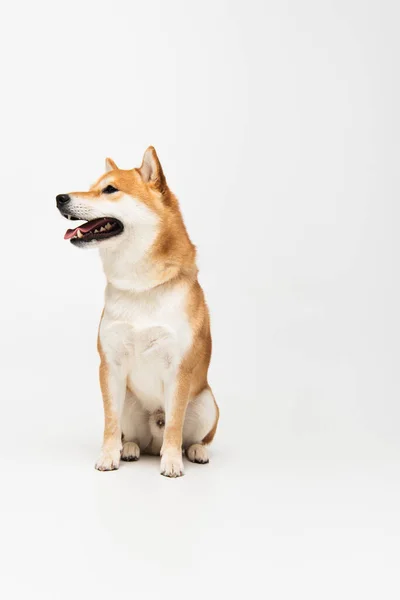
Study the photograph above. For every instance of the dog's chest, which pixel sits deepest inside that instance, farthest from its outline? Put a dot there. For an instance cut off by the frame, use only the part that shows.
(148, 335)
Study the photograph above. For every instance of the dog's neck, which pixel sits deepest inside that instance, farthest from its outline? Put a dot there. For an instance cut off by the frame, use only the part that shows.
(137, 265)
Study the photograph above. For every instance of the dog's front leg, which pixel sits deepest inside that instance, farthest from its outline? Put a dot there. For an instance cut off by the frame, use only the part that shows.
(176, 400)
(113, 389)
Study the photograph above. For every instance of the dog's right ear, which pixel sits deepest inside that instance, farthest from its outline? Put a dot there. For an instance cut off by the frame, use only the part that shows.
(110, 165)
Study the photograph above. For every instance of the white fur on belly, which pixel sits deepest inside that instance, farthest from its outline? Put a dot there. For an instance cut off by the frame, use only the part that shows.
(146, 334)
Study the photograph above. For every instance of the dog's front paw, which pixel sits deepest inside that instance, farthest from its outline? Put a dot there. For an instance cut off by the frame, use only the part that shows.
(171, 463)
(108, 460)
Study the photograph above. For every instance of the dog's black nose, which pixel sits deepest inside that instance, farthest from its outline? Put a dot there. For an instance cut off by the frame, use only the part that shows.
(62, 199)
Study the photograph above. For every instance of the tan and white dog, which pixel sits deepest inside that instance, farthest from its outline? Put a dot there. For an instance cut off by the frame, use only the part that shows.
(154, 337)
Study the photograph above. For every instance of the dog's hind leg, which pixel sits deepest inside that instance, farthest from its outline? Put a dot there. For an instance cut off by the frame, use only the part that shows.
(136, 434)
(200, 425)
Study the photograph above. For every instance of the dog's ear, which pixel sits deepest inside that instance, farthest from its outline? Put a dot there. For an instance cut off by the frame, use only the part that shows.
(151, 170)
(110, 165)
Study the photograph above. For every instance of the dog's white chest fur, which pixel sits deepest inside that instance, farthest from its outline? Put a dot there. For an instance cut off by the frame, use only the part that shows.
(146, 334)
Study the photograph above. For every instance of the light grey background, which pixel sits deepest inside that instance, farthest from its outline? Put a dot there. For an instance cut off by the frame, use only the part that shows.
(277, 124)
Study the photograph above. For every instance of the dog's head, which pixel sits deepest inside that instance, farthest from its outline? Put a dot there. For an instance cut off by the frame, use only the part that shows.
(117, 205)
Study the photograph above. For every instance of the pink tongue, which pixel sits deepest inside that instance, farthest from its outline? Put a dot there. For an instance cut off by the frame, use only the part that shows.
(89, 226)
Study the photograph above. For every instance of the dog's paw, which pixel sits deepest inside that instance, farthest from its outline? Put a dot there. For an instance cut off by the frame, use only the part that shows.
(130, 451)
(172, 463)
(108, 460)
(197, 453)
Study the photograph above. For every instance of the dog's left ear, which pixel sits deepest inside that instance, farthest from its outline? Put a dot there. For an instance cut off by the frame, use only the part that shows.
(151, 170)
(110, 165)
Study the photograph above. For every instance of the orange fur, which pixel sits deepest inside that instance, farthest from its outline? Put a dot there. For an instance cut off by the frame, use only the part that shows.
(210, 435)
(112, 433)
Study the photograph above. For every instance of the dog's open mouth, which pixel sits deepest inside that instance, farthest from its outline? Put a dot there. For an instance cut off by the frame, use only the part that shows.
(98, 229)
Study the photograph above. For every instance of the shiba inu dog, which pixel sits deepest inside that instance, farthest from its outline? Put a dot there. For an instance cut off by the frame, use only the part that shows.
(154, 336)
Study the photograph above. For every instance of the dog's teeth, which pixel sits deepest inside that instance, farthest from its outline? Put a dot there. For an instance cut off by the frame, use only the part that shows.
(96, 231)
(69, 217)
(79, 234)
(102, 229)
(108, 226)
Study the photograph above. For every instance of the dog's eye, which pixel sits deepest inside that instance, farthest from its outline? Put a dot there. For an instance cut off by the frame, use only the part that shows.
(110, 189)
